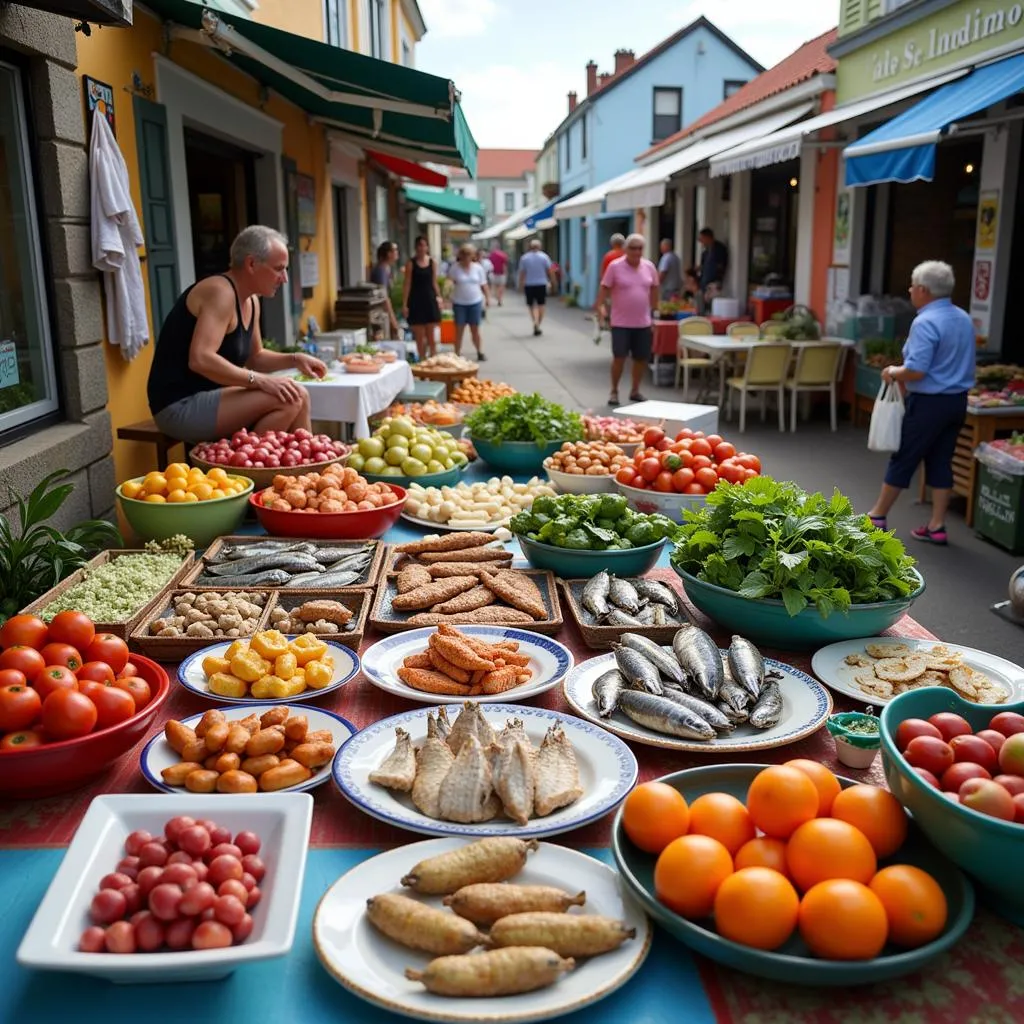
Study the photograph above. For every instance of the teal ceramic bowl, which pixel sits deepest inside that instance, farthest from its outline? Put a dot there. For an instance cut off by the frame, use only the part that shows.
(514, 457)
(988, 849)
(572, 564)
(767, 621)
(202, 521)
(449, 478)
(793, 963)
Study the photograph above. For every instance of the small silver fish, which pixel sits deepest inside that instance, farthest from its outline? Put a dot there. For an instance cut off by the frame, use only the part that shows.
(663, 715)
(291, 561)
(234, 552)
(623, 595)
(734, 695)
(595, 594)
(718, 720)
(639, 672)
(659, 593)
(698, 657)
(646, 615)
(664, 663)
(617, 617)
(328, 580)
(738, 717)
(268, 578)
(746, 665)
(606, 690)
(768, 709)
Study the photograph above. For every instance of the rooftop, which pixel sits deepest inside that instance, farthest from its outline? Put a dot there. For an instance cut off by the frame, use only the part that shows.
(505, 163)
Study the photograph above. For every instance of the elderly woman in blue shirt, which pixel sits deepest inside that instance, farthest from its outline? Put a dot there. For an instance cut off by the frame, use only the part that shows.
(937, 371)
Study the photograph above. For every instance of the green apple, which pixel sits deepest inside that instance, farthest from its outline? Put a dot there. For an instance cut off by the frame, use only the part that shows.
(384, 430)
(423, 452)
(413, 467)
(459, 458)
(396, 456)
(375, 465)
(402, 426)
(392, 471)
(357, 462)
(433, 466)
(448, 464)
(397, 441)
(371, 446)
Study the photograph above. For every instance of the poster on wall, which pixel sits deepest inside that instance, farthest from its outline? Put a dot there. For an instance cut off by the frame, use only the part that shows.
(981, 290)
(309, 269)
(841, 232)
(99, 98)
(305, 186)
(988, 220)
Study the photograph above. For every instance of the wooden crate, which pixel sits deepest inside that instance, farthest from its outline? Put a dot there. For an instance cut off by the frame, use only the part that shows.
(121, 629)
(601, 638)
(359, 601)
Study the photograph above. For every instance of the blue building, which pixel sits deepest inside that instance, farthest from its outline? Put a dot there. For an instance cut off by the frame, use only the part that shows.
(625, 112)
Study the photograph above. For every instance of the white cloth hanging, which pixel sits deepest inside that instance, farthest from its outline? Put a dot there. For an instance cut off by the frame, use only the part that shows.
(116, 236)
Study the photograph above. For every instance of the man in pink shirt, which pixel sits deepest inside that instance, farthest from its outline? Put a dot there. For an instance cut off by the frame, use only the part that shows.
(499, 260)
(632, 285)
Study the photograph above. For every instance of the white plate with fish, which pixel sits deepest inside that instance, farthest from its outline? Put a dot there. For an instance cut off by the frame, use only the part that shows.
(1002, 678)
(606, 767)
(806, 705)
(549, 663)
(373, 967)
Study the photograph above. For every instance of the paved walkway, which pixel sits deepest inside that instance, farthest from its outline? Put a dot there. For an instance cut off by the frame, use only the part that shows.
(963, 579)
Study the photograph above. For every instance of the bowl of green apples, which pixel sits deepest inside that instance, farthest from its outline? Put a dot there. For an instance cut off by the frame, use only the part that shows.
(401, 451)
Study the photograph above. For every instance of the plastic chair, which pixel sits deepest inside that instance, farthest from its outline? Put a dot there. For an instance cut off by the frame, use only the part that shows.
(685, 362)
(743, 330)
(817, 369)
(765, 371)
(773, 328)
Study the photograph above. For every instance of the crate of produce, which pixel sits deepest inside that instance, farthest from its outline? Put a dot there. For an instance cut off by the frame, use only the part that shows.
(150, 590)
(999, 508)
(291, 612)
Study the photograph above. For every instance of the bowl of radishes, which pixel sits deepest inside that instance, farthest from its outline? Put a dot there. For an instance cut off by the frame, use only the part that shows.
(262, 456)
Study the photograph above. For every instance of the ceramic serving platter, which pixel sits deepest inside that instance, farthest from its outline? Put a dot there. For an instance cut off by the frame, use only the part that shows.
(806, 706)
(607, 772)
(829, 665)
(373, 967)
(192, 676)
(158, 755)
(549, 662)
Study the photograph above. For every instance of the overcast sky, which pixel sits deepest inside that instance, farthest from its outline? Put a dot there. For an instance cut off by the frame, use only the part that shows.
(515, 60)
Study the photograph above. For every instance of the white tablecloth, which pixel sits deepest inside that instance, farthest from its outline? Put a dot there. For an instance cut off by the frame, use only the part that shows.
(354, 397)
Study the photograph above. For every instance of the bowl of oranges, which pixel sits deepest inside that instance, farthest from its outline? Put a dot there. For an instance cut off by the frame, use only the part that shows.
(199, 504)
(790, 872)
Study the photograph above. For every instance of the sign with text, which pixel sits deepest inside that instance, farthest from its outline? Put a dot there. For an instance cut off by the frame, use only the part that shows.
(8, 365)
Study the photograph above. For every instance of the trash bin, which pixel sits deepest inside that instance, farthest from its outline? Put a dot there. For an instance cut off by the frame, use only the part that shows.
(999, 501)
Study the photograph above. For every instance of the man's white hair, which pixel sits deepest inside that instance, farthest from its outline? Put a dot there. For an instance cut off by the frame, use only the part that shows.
(256, 241)
(616, 240)
(534, 243)
(934, 276)
(635, 239)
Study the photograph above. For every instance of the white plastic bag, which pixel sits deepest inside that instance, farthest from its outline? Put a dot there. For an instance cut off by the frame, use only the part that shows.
(886, 419)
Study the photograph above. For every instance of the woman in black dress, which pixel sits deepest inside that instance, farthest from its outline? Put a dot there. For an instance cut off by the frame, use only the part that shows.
(421, 297)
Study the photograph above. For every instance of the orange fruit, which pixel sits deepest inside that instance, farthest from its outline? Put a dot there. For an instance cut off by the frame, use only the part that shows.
(780, 799)
(843, 920)
(762, 852)
(914, 904)
(877, 813)
(826, 848)
(824, 781)
(653, 815)
(722, 817)
(756, 907)
(688, 873)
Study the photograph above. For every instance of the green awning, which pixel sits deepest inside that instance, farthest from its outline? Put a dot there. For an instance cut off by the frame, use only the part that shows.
(372, 101)
(447, 203)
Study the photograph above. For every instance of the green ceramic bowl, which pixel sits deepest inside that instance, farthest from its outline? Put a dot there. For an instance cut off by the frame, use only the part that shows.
(989, 849)
(514, 457)
(793, 963)
(449, 478)
(767, 621)
(572, 564)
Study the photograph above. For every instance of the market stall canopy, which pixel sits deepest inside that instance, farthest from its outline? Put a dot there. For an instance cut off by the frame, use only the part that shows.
(785, 144)
(506, 225)
(903, 149)
(519, 233)
(591, 202)
(447, 203)
(373, 102)
(647, 188)
(408, 169)
(536, 220)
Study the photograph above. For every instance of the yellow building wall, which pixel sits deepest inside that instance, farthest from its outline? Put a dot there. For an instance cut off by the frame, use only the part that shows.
(112, 56)
(303, 17)
(396, 42)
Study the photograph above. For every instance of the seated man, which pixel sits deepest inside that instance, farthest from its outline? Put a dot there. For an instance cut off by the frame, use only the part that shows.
(211, 375)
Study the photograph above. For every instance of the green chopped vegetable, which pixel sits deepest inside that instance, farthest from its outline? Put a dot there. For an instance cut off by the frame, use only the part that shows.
(179, 544)
(766, 539)
(524, 418)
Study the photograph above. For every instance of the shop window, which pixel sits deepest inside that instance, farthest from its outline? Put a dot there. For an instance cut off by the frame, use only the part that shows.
(566, 139)
(27, 381)
(336, 19)
(509, 202)
(377, 22)
(668, 112)
(731, 86)
(583, 137)
(526, 199)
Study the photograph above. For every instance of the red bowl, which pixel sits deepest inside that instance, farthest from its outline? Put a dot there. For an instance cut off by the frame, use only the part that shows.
(330, 525)
(68, 764)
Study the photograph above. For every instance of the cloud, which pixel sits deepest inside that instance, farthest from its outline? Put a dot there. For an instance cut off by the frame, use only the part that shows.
(458, 19)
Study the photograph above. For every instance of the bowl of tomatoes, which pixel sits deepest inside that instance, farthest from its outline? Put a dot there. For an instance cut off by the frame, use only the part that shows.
(72, 701)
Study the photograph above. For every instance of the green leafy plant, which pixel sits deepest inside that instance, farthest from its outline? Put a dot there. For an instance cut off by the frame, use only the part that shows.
(38, 556)
(524, 418)
(801, 324)
(769, 539)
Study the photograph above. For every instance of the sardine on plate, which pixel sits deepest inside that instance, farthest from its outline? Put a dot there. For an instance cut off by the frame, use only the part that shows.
(717, 719)
(595, 594)
(746, 665)
(698, 657)
(768, 709)
(737, 717)
(658, 593)
(606, 690)
(639, 672)
(665, 663)
(623, 595)
(664, 715)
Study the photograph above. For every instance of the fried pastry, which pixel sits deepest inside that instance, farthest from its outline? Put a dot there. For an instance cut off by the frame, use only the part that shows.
(432, 593)
(412, 577)
(518, 590)
(446, 542)
(467, 601)
(492, 614)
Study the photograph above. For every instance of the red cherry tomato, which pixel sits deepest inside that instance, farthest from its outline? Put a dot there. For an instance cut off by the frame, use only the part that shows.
(649, 469)
(25, 630)
(22, 740)
(928, 752)
(749, 461)
(723, 450)
(96, 672)
(682, 478)
(113, 705)
(625, 475)
(714, 440)
(974, 750)
(707, 478)
(1013, 784)
(663, 445)
(1007, 722)
(129, 670)
(71, 628)
(663, 482)
(137, 687)
(730, 471)
(951, 725)
(652, 435)
(684, 433)
(26, 660)
(694, 488)
(11, 677)
(62, 654)
(994, 739)
(52, 678)
(109, 648)
(957, 774)
(19, 704)
(912, 727)
(701, 447)
(68, 714)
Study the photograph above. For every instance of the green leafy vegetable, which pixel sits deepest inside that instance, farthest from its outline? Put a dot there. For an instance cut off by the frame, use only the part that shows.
(766, 539)
(585, 522)
(524, 418)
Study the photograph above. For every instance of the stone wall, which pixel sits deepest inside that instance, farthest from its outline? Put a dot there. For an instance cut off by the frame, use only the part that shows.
(83, 443)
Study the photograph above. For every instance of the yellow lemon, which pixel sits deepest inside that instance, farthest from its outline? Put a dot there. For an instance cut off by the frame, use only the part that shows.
(155, 483)
(176, 471)
(217, 475)
(218, 493)
(189, 497)
(176, 495)
(131, 488)
(196, 475)
(201, 490)
(156, 499)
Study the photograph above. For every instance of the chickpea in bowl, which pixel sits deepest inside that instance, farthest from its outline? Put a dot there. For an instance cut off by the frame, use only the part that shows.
(585, 467)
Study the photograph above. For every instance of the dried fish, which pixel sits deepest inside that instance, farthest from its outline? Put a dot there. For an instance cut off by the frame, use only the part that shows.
(746, 665)
(768, 709)
(232, 552)
(663, 715)
(269, 578)
(617, 617)
(334, 579)
(732, 694)
(288, 560)
(664, 663)
(718, 720)
(623, 595)
(639, 672)
(595, 594)
(698, 656)
(606, 690)
(736, 716)
(658, 593)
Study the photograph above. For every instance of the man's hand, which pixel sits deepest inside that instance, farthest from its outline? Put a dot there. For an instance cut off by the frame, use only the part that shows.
(284, 389)
(888, 373)
(310, 365)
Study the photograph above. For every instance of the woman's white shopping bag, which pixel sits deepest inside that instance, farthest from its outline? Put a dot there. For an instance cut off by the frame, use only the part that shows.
(886, 419)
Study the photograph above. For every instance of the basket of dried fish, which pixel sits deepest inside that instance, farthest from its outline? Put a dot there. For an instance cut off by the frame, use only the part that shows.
(606, 606)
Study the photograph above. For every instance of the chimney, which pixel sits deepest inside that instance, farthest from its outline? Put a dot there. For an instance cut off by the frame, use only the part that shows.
(591, 77)
(572, 102)
(604, 78)
(624, 59)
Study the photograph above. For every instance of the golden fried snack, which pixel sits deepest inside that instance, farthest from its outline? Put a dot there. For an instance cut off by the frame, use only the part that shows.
(439, 662)
(487, 860)
(413, 576)
(487, 902)
(418, 661)
(467, 601)
(492, 614)
(445, 542)
(438, 570)
(516, 589)
(329, 611)
(418, 926)
(502, 679)
(459, 653)
(496, 972)
(433, 593)
(566, 934)
(431, 681)
(473, 555)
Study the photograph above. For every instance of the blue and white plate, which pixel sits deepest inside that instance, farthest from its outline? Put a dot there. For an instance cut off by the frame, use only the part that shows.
(158, 755)
(549, 662)
(607, 771)
(806, 705)
(192, 676)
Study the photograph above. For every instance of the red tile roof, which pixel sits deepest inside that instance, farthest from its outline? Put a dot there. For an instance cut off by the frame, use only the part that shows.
(505, 163)
(803, 64)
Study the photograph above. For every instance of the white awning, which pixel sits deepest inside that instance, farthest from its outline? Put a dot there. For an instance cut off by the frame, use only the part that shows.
(506, 226)
(648, 187)
(520, 232)
(785, 144)
(591, 202)
(543, 225)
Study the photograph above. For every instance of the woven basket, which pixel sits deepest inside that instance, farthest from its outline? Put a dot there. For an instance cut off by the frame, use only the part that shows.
(601, 638)
(359, 601)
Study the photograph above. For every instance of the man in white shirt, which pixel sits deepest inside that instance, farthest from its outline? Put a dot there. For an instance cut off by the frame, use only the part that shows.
(535, 273)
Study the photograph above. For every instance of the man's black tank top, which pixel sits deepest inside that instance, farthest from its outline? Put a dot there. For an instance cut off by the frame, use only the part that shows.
(170, 378)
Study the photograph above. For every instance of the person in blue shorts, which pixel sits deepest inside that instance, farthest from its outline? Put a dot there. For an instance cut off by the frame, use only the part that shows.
(535, 273)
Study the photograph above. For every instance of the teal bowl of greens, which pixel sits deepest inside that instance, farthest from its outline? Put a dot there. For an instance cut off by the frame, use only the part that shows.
(572, 563)
(793, 963)
(516, 457)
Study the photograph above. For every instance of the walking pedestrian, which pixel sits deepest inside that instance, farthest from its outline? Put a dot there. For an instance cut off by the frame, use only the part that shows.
(382, 274)
(938, 371)
(670, 270)
(470, 292)
(714, 260)
(535, 273)
(633, 286)
(617, 245)
(499, 261)
(483, 261)
(421, 298)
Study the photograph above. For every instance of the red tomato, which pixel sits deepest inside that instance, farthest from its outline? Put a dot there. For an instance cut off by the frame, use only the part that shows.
(68, 714)
(749, 461)
(686, 443)
(677, 447)
(62, 654)
(686, 458)
(911, 727)
(663, 482)
(686, 432)
(1018, 808)
(54, 677)
(663, 445)
(652, 435)
(730, 471)
(137, 687)
(19, 705)
(1013, 784)
(701, 447)
(956, 775)
(21, 740)
(928, 752)
(928, 777)
(71, 628)
(714, 440)
(707, 478)
(26, 660)
(994, 739)
(113, 705)
(1011, 755)
(96, 672)
(694, 488)
(649, 469)
(109, 648)
(974, 750)
(682, 478)
(24, 630)
(1007, 722)
(724, 450)
(988, 797)
(128, 670)
(951, 725)
(12, 677)
(700, 462)
(671, 461)
(640, 483)
(624, 476)
(749, 474)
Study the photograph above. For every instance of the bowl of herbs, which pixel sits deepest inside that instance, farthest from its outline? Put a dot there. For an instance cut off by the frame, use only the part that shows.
(516, 433)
